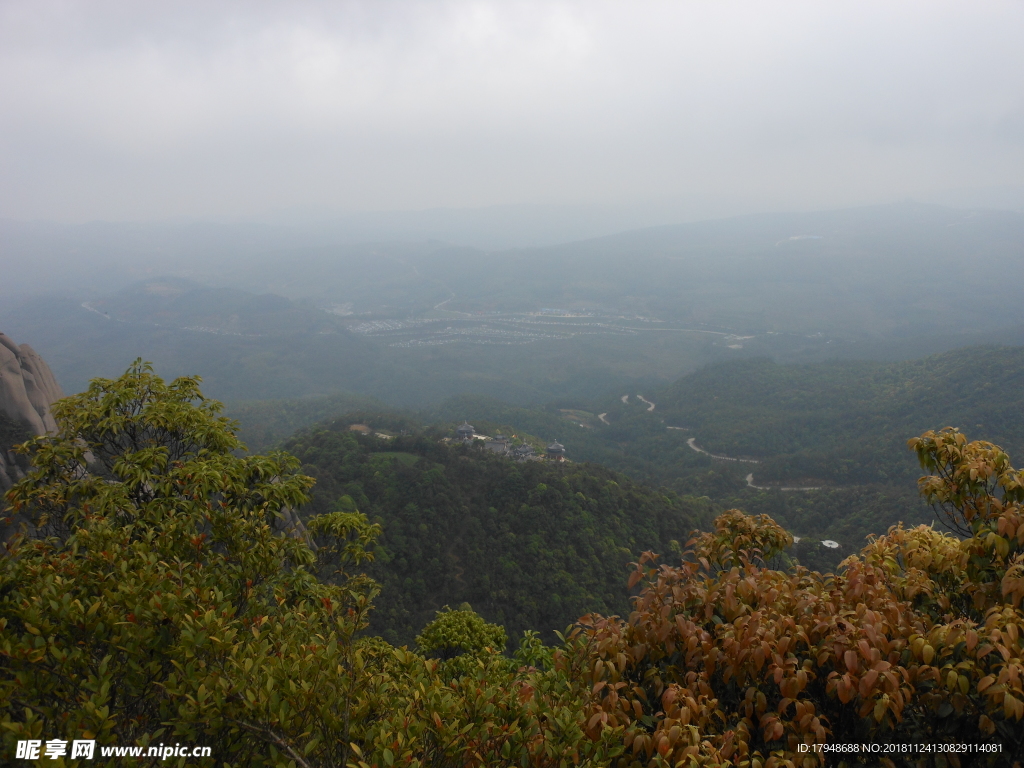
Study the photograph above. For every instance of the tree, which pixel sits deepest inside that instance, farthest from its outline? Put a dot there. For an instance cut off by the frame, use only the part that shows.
(169, 594)
(483, 711)
(454, 633)
(919, 640)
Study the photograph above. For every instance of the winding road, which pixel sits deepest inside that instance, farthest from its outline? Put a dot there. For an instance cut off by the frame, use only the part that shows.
(692, 442)
(750, 484)
(642, 399)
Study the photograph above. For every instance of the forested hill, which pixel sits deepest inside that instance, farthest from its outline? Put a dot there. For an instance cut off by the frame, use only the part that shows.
(529, 545)
(848, 422)
(841, 426)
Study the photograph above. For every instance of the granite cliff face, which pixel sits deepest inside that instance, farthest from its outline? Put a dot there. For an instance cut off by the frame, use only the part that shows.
(27, 390)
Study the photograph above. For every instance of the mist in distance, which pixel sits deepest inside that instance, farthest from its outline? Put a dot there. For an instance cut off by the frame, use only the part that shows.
(526, 200)
(651, 114)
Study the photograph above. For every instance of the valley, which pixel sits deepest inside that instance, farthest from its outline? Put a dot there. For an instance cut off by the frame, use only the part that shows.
(511, 384)
(789, 390)
(669, 414)
(826, 441)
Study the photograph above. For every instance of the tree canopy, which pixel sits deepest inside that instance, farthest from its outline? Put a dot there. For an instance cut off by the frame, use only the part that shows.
(167, 592)
(919, 640)
(530, 545)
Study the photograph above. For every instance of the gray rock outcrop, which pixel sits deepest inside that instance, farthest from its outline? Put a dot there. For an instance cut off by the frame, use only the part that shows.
(28, 389)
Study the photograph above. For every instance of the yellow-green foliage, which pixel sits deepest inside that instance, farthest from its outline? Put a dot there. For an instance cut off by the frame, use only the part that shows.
(453, 633)
(169, 595)
(164, 598)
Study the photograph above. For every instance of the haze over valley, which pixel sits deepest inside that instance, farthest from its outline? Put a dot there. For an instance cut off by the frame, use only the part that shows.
(536, 325)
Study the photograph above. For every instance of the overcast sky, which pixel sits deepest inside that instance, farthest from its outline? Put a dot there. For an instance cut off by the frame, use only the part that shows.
(144, 110)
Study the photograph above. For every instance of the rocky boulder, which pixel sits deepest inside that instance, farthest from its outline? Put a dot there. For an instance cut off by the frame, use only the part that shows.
(27, 392)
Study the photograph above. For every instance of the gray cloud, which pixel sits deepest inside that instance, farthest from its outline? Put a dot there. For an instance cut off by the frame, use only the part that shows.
(123, 110)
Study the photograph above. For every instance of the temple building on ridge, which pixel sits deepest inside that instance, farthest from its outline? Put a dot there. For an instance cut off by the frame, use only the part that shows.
(523, 452)
(498, 444)
(501, 445)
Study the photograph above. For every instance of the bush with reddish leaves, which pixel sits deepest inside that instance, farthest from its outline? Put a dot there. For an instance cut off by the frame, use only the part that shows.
(919, 640)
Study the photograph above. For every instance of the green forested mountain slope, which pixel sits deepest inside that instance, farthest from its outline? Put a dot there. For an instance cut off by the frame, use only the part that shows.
(528, 545)
(838, 422)
(847, 422)
(265, 423)
(841, 426)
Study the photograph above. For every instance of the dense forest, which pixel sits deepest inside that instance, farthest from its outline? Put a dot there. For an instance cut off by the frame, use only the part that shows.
(846, 422)
(530, 545)
(839, 427)
(167, 592)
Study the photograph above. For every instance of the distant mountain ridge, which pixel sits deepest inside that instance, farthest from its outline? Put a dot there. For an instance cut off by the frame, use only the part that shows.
(179, 304)
(413, 324)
